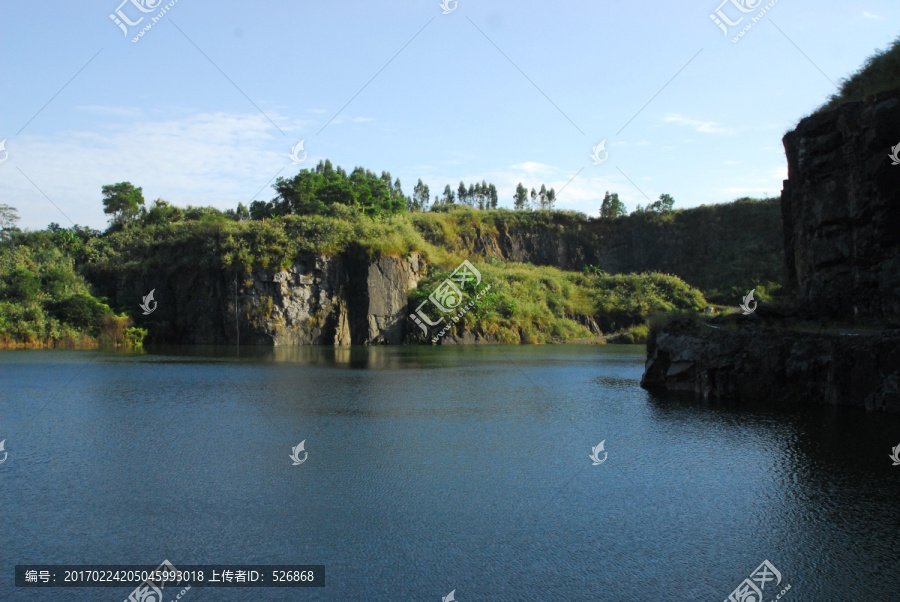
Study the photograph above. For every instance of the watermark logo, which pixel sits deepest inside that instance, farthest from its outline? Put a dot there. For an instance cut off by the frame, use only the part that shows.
(449, 597)
(146, 304)
(143, 6)
(296, 159)
(895, 454)
(4, 154)
(595, 454)
(295, 454)
(600, 148)
(744, 8)
(751, 589)
(449, 6)
(746, 308)
(149, 591)
(5, 453)
(448, 296)
(895, 154)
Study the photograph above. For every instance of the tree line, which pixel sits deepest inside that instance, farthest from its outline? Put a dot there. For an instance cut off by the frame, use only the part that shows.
(330, 190)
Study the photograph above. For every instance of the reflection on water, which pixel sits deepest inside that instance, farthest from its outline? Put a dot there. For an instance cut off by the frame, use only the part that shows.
(431, 469)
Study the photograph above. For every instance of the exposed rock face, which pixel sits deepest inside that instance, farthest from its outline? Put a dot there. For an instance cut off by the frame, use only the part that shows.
(331, 300)
(765, 364)
(841, 211)
(707, 247)
(388, 281)
(339, 300)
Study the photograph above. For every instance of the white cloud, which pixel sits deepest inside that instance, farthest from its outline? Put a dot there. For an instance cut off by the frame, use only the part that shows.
(867, 15)
(533, 167)
(706, 127)
(216, 159)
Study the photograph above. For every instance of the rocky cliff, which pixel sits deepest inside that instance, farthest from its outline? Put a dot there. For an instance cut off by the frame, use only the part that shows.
(841, 211)
(342, 299)
(709, 247)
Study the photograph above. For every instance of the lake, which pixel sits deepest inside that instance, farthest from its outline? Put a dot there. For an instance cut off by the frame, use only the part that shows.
(436, 469)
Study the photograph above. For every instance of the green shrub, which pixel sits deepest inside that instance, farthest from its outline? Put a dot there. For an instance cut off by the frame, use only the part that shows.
(22, 285)
(81, 311)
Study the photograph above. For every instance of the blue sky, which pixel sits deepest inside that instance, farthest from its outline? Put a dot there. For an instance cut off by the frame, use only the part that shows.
(205, 107)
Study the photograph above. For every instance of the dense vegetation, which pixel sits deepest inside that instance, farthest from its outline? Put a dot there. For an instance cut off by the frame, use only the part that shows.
(880, 73)
(54, 281)
(331, 191)
(44, 301)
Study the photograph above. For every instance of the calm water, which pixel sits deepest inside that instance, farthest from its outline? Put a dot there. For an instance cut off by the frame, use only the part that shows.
(432, 470)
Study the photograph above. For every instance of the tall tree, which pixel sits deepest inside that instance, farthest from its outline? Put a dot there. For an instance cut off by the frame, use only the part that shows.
(663, 205)
(123, 201)
(9, 217)
(612, 207)
(493, 196)
(533, 198)
(542, 195)
(163, 212)
(420, 197)
(521, 198)
(449, 197)
(462, 193)
(551, 198)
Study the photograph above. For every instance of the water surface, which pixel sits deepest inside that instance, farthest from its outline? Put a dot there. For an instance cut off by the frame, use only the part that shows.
(436, 469)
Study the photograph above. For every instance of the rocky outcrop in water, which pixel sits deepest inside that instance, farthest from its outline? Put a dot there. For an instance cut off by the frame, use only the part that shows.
(760, 363)
(841, 210)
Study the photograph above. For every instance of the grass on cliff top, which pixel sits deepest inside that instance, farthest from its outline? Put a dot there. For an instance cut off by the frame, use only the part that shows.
(212, 240)
(880, 73)
(203, 238)
(531, 304)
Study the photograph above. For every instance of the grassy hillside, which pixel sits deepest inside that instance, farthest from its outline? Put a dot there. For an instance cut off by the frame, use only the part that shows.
(527, 302)
(880, 73)
(541, 304)
(619, 270)
(720, 249)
